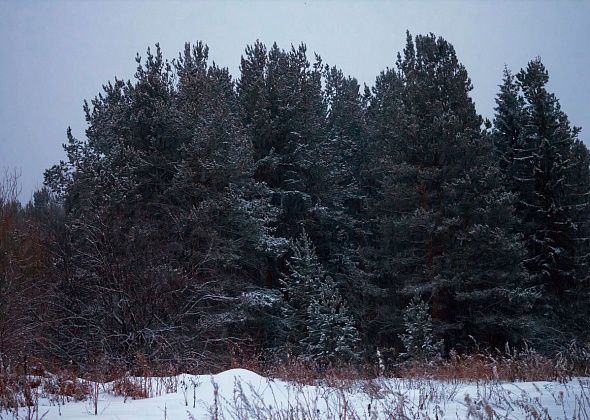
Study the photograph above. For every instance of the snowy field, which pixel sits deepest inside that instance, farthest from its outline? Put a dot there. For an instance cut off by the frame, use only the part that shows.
(242, 394)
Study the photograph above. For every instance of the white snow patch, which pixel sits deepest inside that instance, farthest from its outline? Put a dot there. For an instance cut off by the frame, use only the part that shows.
(242, 394)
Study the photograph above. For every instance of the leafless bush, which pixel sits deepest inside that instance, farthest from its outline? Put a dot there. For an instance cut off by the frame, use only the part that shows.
(20, 388)
(65, 386)
(10, 187)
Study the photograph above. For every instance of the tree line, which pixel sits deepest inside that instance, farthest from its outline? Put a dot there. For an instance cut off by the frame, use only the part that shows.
(293, 212)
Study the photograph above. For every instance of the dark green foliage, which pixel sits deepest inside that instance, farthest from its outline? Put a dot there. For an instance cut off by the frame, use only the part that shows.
(283, 110)
(173, 229)
(307, 142)
(300, 286)
(442, 217)
(546, 165)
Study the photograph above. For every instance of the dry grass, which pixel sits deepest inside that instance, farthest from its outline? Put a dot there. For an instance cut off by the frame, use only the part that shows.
(67, 386)
(23, 383)
(404, 398)
(509, 365)
(128, 388)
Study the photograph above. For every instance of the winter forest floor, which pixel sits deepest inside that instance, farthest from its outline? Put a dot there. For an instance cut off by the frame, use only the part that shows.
(243, 394)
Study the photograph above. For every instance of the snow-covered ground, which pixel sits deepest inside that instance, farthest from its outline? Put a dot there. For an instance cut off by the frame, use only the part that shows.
(242, 394)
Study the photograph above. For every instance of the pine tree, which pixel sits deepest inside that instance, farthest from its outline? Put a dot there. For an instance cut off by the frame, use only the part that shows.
(335, 223)
(283, 110)
(164, 220)
(439, 204)
(307, 142)
(546, 166)
(507, 132)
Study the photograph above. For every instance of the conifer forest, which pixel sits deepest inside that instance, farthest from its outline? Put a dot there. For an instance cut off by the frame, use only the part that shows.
(287, 212)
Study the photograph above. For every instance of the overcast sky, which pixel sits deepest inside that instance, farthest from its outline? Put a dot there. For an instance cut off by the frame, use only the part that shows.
(55, 54)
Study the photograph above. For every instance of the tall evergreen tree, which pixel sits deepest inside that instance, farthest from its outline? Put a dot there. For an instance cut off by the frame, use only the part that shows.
(440, 206)
(546, 166)
(335, 223)
(507, 133)
(282, 110)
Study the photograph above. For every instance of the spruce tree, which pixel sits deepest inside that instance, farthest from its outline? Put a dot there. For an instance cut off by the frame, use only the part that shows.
(331, 333)
(547, 130)
(320, 325)
(418, 340)
(300, 285)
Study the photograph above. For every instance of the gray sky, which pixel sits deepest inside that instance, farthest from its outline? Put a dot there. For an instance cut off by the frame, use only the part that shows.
(55, 54)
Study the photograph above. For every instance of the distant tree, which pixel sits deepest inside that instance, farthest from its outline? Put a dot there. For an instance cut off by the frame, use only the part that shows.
(25, 276)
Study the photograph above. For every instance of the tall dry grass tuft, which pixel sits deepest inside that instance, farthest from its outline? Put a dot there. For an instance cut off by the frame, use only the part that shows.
(524, 364)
